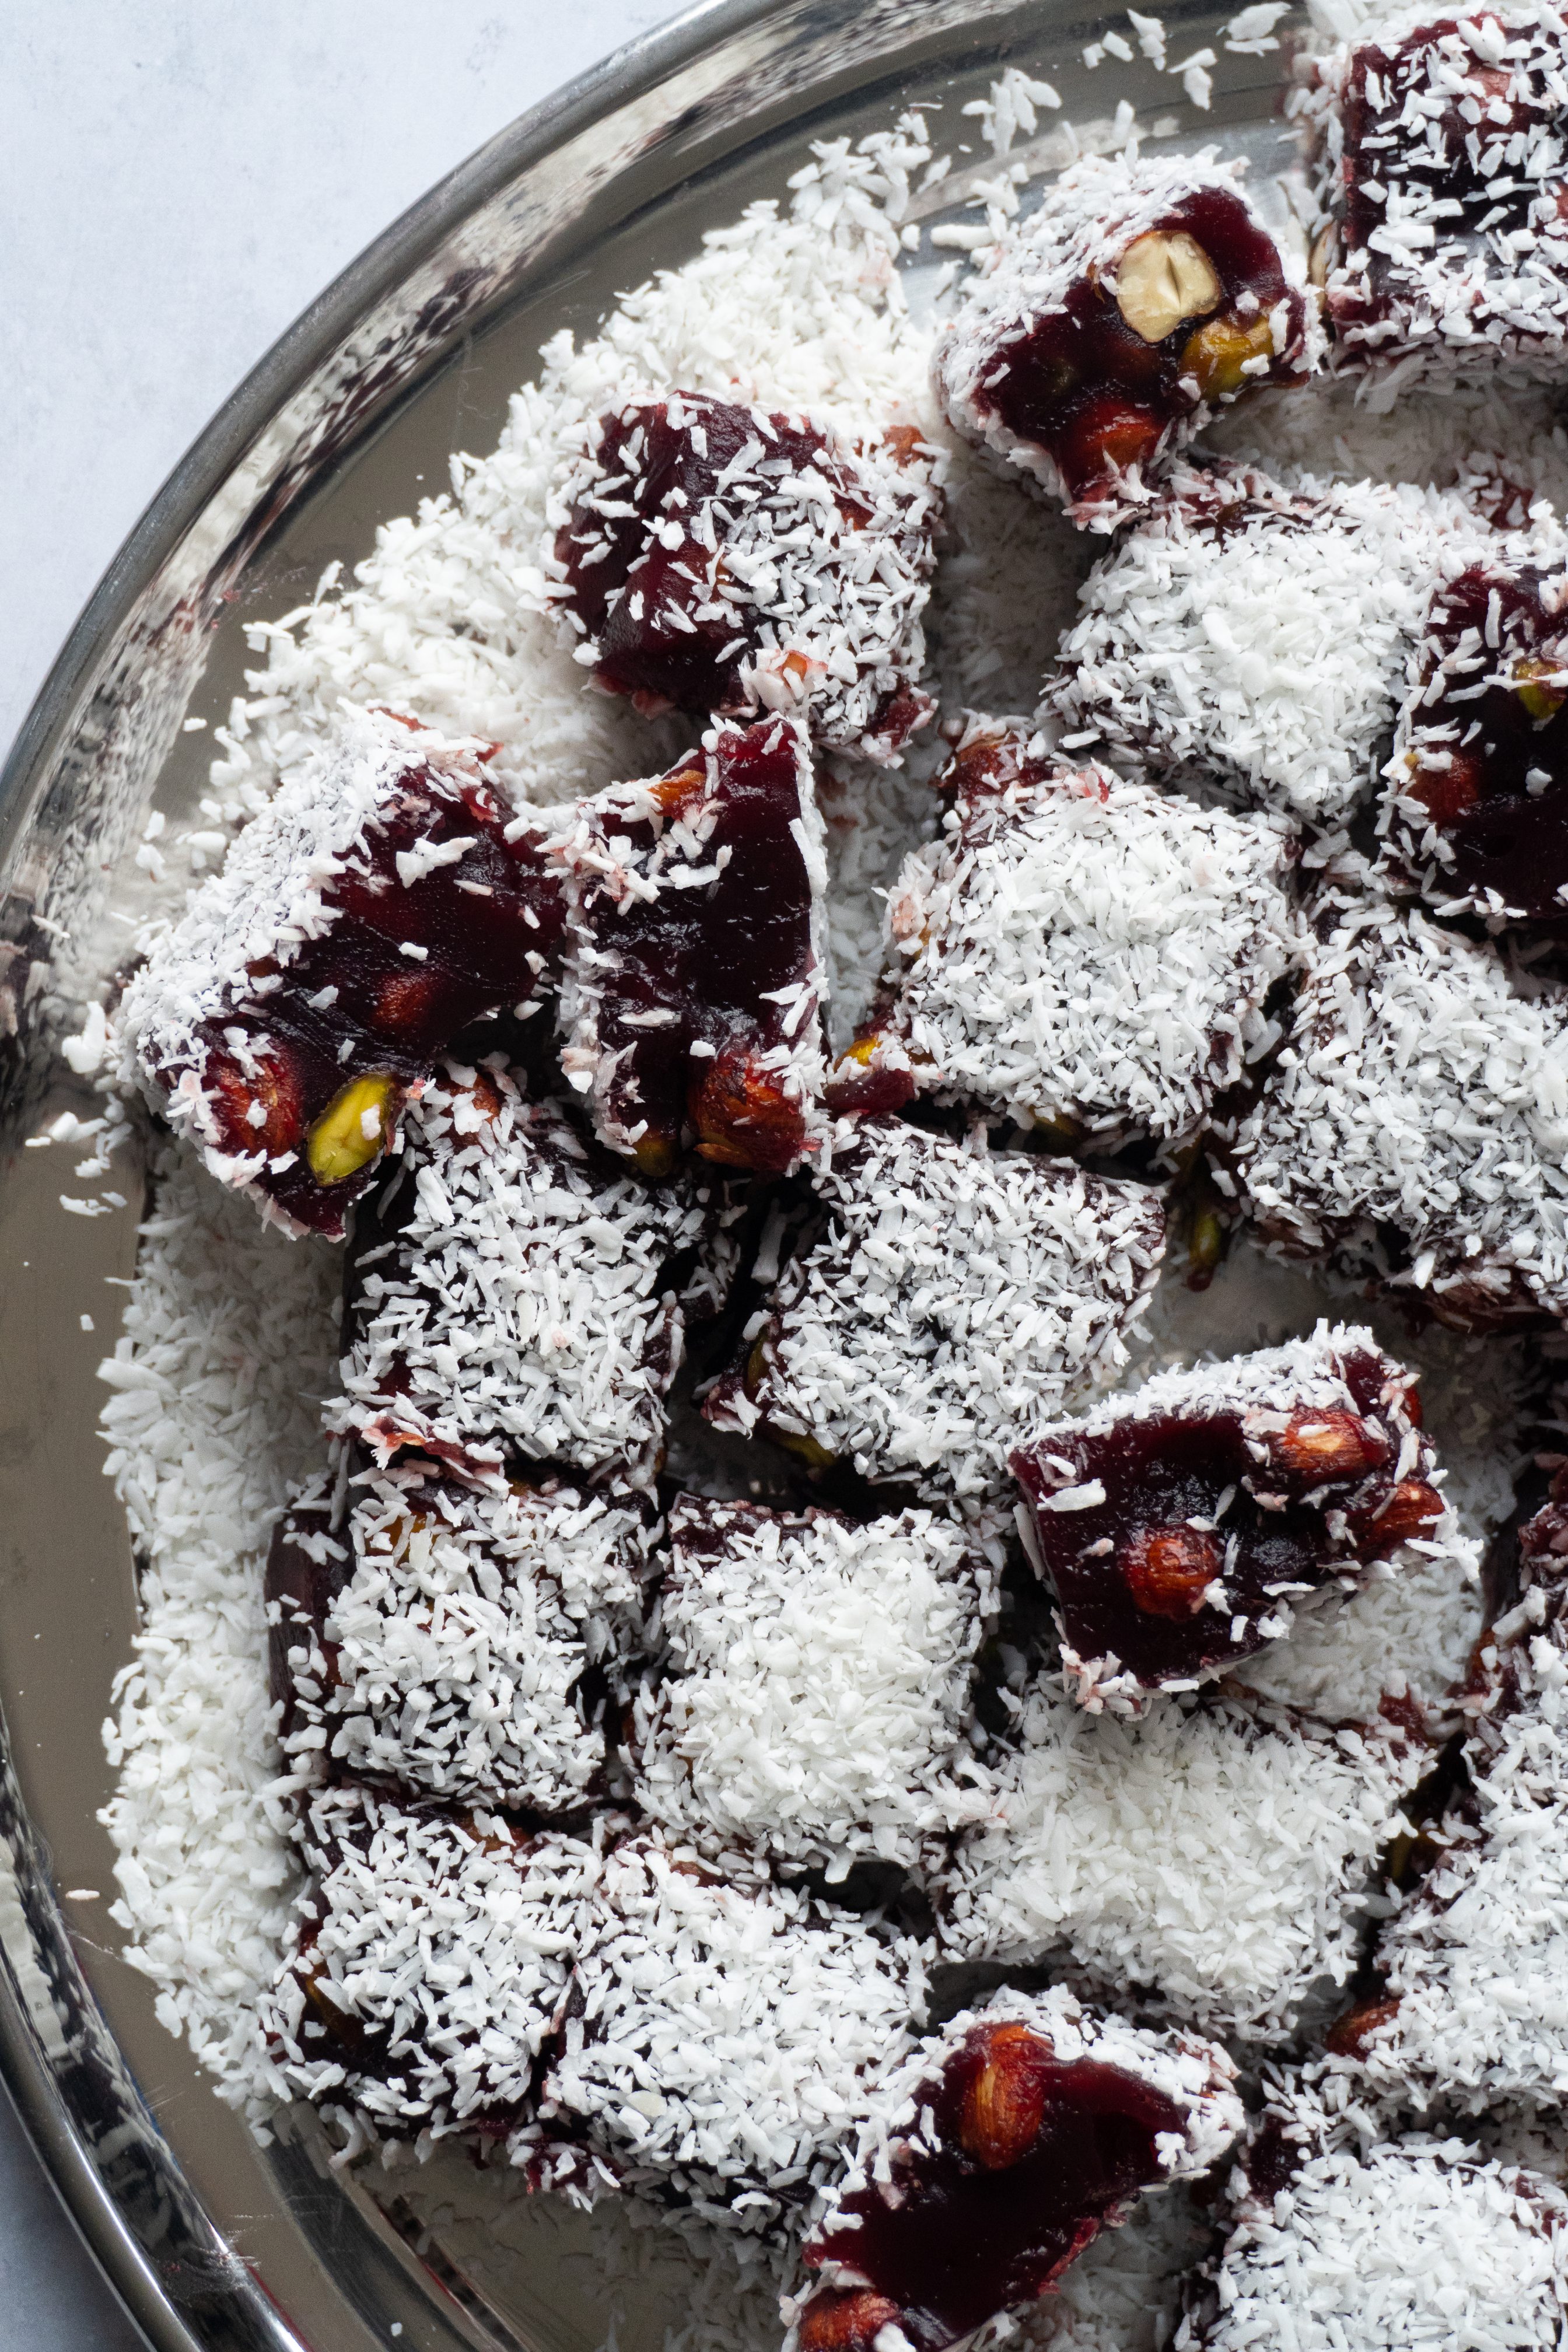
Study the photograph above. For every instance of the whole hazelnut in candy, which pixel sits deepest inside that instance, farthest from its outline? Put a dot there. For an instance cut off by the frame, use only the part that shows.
(1110, 323)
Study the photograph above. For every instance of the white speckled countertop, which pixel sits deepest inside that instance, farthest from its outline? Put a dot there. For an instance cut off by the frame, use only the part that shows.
(179, 180)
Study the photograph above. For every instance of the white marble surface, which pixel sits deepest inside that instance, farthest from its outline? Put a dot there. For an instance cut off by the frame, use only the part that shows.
(178, 179)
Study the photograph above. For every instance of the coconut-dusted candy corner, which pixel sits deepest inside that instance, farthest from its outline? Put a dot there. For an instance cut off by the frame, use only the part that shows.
(514, 1294)
(1400, 1643)
(1108, 325)
(1416, 1129)
(992, 2157)
(1251, 638)
(430, 1962)
(1470, 2007)
(1179, 1525)
(1084, 953)
(716, 558)
(721, 2037)
(1475, 814)
(1217, 1852)
(1344, 2235)
(695, 974)
(1442, 169)
(381, 901)
(816, 1684)
(952, 1301)
(453, 1642)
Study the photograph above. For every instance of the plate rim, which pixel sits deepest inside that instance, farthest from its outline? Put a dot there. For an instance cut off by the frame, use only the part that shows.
(628, 73)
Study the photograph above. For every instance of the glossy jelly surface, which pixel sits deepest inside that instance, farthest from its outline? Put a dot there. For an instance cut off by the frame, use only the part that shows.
(1097, 397)
(1489, 759)
(690, 1027)
(992, 2214)
(1208, 1522)
(370, 1005)
(302, 1579)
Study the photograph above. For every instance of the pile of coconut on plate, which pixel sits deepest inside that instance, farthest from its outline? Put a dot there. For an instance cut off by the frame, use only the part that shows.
(822, 1677)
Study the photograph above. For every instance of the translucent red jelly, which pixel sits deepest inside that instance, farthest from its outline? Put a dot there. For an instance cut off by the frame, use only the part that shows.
(1444, 160)
(964, 2235)
(1496, 789)
(705, 961)
(354, 1005)
(993, 764)
(1132, 1573)
(1095, 395)
(647, 578)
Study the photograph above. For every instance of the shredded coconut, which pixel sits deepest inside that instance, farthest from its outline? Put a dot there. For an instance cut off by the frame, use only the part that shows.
(453, 1634)
(721, 2040)
(817, 1678)
(1088, 219)
(1217, 1854)
(1440, 174)
(1476, 1957)
(1253, 639)
(1416, 1127)
(1084, 953)
(227, 1339)
(1415, 2241)
(956, 1299)
(515, 1295)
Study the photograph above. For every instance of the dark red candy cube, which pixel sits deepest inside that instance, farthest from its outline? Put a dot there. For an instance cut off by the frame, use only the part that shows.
(695, 975)
(1477, 811)
(1179, 1527)
(1020, 2163)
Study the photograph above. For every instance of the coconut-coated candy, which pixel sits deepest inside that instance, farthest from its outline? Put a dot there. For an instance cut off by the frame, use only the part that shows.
(515, 1294)
(446, 1641)
(1476, 811)
(817, 1681)
(383, 901)
(719, 558)
(992, 2157)
(1110, 323)
(1414, 1131)
(951, 1302)
(1087, 954)
(1179, 1525)
(1344, 2233)
(1442, 173)
(695, 974)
